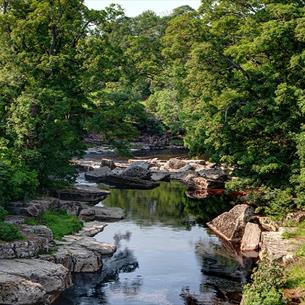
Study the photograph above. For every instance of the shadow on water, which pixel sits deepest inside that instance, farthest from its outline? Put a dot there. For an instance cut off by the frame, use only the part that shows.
(165, 256)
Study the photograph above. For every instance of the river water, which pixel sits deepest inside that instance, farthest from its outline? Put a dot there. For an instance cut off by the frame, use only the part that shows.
(165, 255)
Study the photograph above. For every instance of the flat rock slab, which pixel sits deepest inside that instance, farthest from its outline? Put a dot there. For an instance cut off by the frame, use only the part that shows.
(81, 252)
(231, 225)
(30, 281)
(251, 237)
(101, 214)
(88, 195)
(276, 247)
(125, 182)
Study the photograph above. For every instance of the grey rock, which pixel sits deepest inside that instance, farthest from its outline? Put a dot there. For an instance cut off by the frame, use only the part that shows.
(101, 214)
(160, 176)
(275, 247)
(22, 280)
(84, 194)
(231, 225)
(135, 171)
(251, 237)
(99, 174)
(39, 239)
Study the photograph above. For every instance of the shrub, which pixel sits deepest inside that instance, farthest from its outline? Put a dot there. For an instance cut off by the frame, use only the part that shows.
(9, 232)
(266, 285)
(59, 222)
(3, 213)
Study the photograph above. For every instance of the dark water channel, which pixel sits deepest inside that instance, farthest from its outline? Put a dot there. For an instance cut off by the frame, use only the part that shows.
(164, 256)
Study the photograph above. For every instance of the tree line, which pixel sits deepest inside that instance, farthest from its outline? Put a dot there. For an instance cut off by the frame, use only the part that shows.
(228, 77)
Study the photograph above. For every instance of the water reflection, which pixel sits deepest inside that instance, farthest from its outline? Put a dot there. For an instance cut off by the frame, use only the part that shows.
(163, 256)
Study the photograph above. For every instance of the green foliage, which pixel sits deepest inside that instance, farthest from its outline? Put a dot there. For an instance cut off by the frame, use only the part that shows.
(266, 285)
(3, 213)
(295, 275)
(59, 222)
(9, 232)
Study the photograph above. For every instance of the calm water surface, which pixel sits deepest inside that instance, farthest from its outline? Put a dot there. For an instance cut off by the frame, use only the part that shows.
(164, 256)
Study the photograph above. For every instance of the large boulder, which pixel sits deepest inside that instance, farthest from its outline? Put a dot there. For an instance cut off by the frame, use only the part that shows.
(231, 225)
(276, 247)
(135, 171)
(251, 237)
(140, 163)
(24, 281)
(99, 174)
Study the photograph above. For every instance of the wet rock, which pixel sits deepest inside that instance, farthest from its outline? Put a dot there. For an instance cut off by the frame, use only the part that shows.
(135, 171)
(125, 182)
(24, 281)
(98, 174)
(80, 253)
(101, 214)
(174, 164)
(160, 176)
(231, 225)
(84, 194)
(251, 237)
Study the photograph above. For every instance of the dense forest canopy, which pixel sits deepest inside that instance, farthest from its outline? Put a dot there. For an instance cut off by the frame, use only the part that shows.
(229, 77)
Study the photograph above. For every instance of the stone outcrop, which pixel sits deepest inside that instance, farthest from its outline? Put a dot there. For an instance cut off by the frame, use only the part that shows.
(38, 239)
(277, 248)
(251, 238)
(35, 281)
(231, 225)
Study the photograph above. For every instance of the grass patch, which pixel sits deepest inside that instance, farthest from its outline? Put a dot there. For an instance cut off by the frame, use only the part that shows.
(59, 222)
(295, 274)
(9, 232)
(298, 233)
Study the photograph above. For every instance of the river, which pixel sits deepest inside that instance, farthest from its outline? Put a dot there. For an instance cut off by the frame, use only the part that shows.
(165, 256)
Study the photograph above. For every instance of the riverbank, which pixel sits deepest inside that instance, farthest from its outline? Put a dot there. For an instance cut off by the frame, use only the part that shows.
(246, 235)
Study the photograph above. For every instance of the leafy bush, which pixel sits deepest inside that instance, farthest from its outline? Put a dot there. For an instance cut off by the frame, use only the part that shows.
(266, 285)
(3, 213)
(59, 222)
(9, 232)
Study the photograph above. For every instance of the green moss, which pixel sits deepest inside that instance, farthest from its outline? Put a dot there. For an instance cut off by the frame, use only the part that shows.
(59, 222)
(9, 232)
